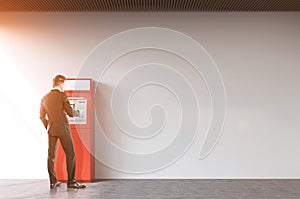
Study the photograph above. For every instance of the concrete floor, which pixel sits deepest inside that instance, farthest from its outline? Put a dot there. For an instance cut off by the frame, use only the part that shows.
(155, 189)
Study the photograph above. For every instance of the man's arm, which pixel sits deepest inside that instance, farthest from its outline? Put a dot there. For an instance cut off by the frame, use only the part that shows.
(43, 116)
(67, 107)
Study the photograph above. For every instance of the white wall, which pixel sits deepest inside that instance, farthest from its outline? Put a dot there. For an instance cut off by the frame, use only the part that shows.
(257, 55)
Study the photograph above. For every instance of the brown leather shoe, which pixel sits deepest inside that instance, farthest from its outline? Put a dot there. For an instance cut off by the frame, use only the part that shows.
(54, 185)
(76, 185)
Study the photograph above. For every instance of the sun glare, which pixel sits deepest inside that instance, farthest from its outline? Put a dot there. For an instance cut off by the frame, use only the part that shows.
(23, 140)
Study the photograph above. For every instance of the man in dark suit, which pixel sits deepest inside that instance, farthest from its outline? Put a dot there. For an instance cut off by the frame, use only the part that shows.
(54, 107)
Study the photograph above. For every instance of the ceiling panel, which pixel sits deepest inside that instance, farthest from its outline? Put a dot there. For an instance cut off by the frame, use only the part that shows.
(149, 5)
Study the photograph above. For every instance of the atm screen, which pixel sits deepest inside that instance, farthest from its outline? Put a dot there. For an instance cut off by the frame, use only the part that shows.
(79, 106)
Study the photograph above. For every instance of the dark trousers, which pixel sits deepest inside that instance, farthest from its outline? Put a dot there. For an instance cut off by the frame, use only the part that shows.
(68, 147)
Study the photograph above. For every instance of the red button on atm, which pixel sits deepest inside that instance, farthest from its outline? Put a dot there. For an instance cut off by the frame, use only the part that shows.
(82, 129)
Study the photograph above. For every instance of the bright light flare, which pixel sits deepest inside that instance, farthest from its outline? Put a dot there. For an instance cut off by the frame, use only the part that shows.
(23, 140)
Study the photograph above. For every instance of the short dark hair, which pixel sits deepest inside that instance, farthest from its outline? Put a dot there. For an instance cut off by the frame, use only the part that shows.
(58, 79)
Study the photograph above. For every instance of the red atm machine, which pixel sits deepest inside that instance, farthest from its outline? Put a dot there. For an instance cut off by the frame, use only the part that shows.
(80, 93)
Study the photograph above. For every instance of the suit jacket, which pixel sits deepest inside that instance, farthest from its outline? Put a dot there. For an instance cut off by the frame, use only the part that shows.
(54, 107)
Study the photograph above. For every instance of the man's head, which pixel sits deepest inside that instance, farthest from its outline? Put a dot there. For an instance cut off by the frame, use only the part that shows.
(59, 80)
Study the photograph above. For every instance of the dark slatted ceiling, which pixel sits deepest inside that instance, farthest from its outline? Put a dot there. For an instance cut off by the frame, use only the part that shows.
(149, 5)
